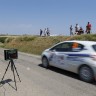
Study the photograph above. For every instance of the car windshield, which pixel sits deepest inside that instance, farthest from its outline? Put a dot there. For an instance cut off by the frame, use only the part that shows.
(94, 47)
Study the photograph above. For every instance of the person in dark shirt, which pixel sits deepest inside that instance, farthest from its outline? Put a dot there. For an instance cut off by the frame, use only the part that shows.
(88, 28)
(71, 30)
(81, 31)
(41, 32)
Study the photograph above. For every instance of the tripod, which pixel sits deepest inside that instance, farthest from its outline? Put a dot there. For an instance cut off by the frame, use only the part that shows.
(13, 68)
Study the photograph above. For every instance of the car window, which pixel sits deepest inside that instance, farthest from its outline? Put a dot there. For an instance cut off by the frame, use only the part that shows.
(63, 47)
(94, 47)
(76, 47)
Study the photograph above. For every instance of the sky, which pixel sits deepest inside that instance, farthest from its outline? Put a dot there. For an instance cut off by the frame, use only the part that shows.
(19, 17)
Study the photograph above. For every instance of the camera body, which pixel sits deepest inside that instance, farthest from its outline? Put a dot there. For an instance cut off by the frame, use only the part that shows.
(10, 54)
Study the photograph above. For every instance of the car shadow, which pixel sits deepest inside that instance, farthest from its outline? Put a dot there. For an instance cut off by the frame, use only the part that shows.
(61, 71)
(64, 72)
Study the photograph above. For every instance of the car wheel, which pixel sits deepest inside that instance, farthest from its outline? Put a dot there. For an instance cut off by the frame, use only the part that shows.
(86, 74)
(45, 62)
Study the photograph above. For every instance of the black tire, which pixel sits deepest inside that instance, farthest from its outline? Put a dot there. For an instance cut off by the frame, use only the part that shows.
(86, 74)
(45, 62)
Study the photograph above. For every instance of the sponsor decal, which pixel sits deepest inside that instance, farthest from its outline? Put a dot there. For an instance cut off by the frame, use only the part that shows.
(77, 57)
(74, 58)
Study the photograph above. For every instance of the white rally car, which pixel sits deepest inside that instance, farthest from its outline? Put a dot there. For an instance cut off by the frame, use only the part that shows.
(75, 56)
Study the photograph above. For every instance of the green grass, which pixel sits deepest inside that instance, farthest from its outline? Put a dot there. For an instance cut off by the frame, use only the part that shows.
(36, 44)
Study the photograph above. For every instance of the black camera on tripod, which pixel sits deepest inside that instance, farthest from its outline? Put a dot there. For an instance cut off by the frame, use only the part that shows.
(10, 54)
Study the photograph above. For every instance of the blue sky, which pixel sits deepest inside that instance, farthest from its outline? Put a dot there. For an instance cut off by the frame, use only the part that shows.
(29, 16)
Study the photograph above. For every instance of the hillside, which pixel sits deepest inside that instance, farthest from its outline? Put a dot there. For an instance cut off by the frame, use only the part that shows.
(36, 44)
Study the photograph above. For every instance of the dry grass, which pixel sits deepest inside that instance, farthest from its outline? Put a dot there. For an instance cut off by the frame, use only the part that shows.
(35, 44)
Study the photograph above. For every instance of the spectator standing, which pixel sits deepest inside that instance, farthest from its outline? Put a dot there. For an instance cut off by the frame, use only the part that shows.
(45, 32)
(41, 32)
(88, 28)
(48, 32)
(71, 30)
(76, 29)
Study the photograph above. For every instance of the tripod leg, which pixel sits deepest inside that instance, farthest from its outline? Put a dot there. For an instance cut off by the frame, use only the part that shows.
(5, 71)
(14, 77)
(17, 73)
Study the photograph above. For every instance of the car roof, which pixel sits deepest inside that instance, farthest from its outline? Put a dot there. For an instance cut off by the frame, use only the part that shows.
(82, 42)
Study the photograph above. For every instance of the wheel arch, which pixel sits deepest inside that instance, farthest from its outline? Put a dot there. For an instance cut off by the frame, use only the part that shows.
(44, 56)
(44, 64)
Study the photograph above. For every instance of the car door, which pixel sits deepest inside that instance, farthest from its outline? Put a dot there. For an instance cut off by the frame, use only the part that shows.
(75, 57)
(59, 56)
